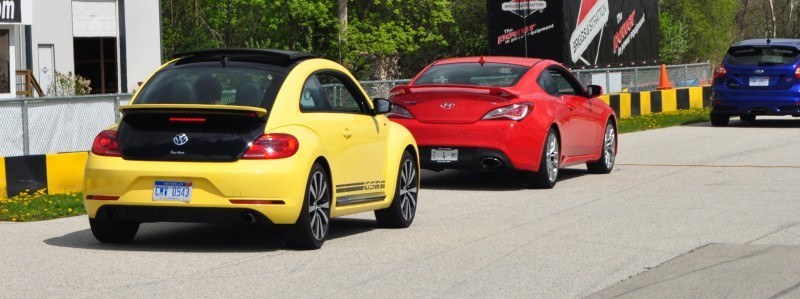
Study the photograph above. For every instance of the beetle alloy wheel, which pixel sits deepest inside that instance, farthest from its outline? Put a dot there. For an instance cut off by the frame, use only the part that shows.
(408, 190)
(552, 157)
(610, 146)
(319, 205)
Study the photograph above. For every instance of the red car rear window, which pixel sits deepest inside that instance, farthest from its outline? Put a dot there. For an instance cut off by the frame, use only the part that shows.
(488, 74)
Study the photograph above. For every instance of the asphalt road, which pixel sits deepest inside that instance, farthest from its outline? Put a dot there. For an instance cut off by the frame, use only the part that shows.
(690, 211)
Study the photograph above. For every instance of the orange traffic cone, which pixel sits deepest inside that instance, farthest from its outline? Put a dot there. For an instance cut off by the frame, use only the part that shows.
(664, 82)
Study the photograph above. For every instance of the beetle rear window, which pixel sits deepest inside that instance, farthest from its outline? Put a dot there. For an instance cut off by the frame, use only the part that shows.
(762, 56)
(212, 86)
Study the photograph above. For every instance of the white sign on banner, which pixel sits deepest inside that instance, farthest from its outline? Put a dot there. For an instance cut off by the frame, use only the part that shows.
(611, 82)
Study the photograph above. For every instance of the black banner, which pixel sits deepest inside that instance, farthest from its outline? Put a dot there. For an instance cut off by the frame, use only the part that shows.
(576, 32)
(526, 28)
(10, 11)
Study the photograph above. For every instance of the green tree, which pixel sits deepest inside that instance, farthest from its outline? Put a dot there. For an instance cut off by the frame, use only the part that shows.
(711, 27)
(376, 39)
(383, 32)
(675, 41)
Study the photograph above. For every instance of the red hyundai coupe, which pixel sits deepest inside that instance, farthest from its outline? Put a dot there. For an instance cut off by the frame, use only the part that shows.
(484, 113)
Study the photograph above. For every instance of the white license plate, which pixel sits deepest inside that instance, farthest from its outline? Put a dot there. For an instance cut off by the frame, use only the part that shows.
(759, 81)
(172, 191)
(444, 155)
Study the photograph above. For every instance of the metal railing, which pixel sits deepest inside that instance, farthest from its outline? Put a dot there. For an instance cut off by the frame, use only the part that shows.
(30, 126)
(43, 125)
(633, 79)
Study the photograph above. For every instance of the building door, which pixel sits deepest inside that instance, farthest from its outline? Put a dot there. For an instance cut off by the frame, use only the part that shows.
(96, 60)
(94, 26)
(7, 72)
(47, 67)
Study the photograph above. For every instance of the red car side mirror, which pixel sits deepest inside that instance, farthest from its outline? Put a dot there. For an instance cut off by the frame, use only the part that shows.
(594, 91)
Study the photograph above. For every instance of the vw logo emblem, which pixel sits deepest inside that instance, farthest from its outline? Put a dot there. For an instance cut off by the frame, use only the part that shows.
(180, 139)
(759, 71)
(448, 105)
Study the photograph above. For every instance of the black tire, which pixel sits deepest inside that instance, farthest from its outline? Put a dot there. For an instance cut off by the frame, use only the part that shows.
(547, 175)
(113, 231)
(313, 223)
(404, 204)
(608, 152)
(747, 117)
(720, 120)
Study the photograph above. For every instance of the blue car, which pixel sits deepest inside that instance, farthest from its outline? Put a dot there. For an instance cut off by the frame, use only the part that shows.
(757, 77)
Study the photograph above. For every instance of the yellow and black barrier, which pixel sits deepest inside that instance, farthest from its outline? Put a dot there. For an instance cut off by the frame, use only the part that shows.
(648, 102)
(57, 173)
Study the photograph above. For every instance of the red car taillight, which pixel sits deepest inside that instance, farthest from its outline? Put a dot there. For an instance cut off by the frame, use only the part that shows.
(106, 144)
(720, 72)
(512, 112)
(399, 112)
(797, 72)
(273, 146)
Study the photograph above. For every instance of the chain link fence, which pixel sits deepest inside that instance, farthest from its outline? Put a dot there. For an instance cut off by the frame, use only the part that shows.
(633, 79)
(31, 126)
(380, 89)
(35, 126)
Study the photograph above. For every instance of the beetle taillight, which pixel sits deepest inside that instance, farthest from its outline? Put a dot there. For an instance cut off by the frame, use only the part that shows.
(273, 146)
(106, 144)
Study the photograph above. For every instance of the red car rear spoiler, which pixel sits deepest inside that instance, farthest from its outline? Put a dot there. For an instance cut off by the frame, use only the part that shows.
(493, 90)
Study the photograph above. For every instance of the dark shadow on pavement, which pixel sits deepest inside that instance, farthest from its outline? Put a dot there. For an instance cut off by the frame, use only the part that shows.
(787, 122)
(197, 237)
(487, 181)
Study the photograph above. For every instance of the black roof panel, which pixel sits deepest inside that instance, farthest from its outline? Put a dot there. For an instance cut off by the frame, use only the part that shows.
(280, 57)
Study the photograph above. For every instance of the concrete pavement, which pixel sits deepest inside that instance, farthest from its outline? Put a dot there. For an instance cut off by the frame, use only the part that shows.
(674, 190)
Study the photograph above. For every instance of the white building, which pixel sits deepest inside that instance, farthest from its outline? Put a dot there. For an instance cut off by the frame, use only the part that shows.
(114, 43)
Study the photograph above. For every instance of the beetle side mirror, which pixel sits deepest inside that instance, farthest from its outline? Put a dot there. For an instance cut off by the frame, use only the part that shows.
(382, 106)
(594, 91)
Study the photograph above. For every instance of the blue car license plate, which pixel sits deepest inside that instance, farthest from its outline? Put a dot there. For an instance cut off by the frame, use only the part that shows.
(172, 191)
(759, 81)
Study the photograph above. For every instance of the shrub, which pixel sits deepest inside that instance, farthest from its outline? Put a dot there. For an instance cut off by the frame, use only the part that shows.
(68, 85)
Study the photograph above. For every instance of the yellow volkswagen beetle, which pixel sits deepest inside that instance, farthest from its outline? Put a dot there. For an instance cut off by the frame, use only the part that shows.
(251, 136)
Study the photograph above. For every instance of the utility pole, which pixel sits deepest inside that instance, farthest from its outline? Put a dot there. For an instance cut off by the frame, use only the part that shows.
(774, 22)
(341, 13)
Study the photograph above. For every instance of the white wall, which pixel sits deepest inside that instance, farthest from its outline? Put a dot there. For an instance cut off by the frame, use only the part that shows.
(143, 30)
(52, 24)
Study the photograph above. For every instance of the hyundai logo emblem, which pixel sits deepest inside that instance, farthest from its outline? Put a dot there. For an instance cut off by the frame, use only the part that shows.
(759, 71)
(180, 139)
(448, 105)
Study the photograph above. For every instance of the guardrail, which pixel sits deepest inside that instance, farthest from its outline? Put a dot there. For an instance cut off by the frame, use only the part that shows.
(643, 78)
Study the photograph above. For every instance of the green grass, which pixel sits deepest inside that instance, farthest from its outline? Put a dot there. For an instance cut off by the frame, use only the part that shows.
(663, 120)
(40, 206)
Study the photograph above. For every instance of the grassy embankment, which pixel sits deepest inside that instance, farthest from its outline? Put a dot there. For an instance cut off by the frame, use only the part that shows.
(40, 206)
(663, 120)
